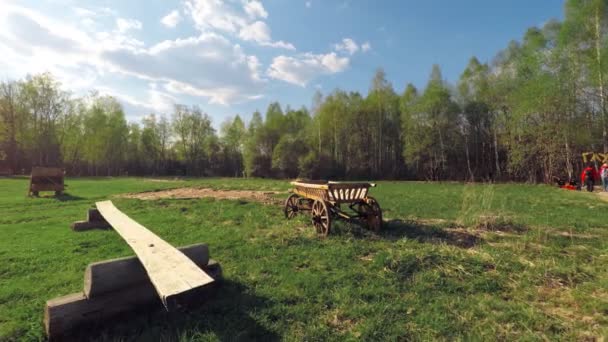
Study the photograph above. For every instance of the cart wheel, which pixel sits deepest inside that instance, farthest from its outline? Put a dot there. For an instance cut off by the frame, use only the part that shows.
(291, 206)
(369, 210)
(374, 217)
(320, 218)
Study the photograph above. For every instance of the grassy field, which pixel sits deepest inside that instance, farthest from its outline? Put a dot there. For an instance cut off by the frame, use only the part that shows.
(454, 262)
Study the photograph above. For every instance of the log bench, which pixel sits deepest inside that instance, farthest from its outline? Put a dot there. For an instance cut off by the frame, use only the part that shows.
(112, 288)
(177, 277)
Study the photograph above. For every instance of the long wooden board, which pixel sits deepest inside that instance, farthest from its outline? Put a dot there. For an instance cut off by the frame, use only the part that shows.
(170, 271)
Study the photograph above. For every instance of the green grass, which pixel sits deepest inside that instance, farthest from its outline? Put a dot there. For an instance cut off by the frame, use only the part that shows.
(455, 261)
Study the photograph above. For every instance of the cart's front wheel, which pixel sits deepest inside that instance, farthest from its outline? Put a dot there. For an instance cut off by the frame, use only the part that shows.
(291, 206)
(321, 218)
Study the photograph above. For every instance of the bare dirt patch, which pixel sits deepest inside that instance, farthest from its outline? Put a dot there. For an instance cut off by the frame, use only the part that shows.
(189, 193)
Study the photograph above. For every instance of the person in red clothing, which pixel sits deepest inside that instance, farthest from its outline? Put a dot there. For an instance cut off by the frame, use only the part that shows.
(604, 176)
(589, 176)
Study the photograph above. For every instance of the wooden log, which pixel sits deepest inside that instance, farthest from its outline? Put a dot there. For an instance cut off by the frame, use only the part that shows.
(171, 272)
(80, 226)
(112, 275)
(94, 221)
(93, 215)
(65, 314)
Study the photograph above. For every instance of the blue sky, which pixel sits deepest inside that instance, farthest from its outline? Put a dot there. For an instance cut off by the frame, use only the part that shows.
(235, 56)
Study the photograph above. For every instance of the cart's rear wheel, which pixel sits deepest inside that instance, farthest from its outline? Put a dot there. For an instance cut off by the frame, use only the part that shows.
(370, 211)
(375, 219)
(291, 206)
(321, 218)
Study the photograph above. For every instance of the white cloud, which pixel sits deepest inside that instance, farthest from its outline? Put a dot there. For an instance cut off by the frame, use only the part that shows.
(366, 47)
(215, 15)
(208, 66)
(260, 33)
(242, 22)
(94, 11)
(33, 43)
(123, 25)
(255, 9)
(279, 44)
(153, 100)
(83, 12)
(172, 19)
(302, 69)
(347, 45)
(308, 4)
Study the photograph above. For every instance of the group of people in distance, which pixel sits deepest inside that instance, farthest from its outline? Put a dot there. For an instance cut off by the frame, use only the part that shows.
(590, 175)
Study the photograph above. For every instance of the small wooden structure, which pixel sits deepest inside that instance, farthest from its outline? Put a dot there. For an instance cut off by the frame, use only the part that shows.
(324, 199)
(46, 179)
(123, 285)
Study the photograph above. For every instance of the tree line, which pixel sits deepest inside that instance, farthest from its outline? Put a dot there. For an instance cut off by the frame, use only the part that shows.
(525, 116)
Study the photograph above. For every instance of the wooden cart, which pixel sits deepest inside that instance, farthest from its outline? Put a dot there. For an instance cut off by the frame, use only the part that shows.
(46, 179)
(323, 199)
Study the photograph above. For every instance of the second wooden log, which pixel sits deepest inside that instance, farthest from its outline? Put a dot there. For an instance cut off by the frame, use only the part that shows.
(116, 274)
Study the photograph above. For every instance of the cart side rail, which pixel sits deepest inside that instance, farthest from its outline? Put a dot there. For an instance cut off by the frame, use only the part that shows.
(346, 193)
(333, 191)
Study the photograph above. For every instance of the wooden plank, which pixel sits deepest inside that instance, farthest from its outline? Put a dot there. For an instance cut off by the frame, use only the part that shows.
(112, 275)
(171, 272)
(64, 314)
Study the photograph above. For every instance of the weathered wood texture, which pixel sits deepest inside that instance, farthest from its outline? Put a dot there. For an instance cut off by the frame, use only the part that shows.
(112, 275)
(171, 272)
(93, 215)
(65, 314)
(46, 179)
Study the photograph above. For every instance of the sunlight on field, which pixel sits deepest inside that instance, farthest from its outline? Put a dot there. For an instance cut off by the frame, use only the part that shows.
(453, 261)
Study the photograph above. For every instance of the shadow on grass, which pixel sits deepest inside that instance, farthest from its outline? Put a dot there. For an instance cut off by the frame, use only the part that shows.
(224, 313)
(498, 224)
(398, 229)
(64, 197)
